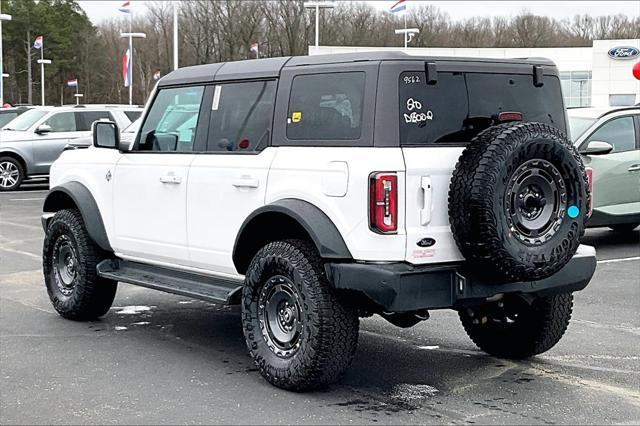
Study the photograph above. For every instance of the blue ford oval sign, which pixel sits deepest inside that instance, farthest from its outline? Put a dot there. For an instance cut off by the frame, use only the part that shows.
(624, 52)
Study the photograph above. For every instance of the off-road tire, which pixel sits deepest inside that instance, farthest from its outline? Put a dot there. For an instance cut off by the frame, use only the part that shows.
(16, 167)
(481, 213)
(329, 336)
(627, 227)
(537, 329)
(88, 296)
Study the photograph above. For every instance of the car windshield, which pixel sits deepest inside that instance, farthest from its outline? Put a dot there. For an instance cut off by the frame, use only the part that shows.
(578, 125)
(7, 117)
(25, 121)
(133, 127)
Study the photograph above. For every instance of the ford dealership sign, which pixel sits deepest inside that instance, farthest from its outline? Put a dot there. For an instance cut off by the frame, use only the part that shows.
(625, 52)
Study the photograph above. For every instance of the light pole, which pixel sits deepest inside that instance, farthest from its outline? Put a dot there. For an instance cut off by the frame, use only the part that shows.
(42, 63)
(3, 17)
(175, 35)
(317, 5)
(131, 36)
(408, 35)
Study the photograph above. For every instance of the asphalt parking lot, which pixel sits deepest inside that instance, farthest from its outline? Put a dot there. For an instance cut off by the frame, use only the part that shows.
(158, 358)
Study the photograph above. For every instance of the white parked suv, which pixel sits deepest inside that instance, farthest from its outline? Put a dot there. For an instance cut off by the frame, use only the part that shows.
(317, 190)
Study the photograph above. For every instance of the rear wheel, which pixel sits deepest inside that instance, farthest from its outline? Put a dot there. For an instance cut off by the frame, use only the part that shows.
(516, 328)
(11, 174)
(627, 227)
(69, 263)
(299, 334)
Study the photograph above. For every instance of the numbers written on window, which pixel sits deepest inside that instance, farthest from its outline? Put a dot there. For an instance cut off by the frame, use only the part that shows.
(241, 116)
(619, 132)
(326, 106)
(172, 120)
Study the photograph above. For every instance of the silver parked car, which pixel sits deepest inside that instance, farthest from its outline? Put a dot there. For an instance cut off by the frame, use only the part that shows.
(31, 142)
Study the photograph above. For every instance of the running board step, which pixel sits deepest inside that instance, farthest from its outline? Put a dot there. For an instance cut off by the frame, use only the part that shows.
(197, 286)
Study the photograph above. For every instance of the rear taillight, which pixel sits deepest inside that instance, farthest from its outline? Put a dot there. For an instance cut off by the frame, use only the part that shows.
(383, 203)
(589, 172)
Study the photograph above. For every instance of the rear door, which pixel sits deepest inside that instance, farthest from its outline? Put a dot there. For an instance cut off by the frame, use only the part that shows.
(437, 121)
(229, 181)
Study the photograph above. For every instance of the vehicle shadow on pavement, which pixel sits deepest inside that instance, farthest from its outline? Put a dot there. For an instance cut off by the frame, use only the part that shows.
(384, 365)
(602, 238)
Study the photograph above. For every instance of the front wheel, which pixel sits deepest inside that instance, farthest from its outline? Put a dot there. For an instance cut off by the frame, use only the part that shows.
(69, 263)
(516, 328)
(299, 334)
(11, 174)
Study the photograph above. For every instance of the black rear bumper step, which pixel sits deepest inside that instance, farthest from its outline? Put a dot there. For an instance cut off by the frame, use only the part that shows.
(402, 287)
(197, 286)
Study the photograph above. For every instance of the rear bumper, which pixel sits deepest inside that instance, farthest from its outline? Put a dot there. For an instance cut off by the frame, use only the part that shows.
(402, 287)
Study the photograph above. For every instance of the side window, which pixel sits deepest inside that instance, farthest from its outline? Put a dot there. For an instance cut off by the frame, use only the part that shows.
(62, 122)
(172, 120)
(619, 132)
(326, 106)
(133, 115)
(241, 116)
(85, 119)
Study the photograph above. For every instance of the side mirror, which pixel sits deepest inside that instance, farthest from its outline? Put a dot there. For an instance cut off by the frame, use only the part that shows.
(105, 134)
(43, 129)
(597, 148)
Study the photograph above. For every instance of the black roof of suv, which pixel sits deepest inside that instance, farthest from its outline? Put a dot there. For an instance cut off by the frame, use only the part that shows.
(271, 67)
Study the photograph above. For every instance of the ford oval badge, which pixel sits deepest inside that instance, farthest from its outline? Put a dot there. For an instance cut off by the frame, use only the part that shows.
(624, 52)
(426, 242)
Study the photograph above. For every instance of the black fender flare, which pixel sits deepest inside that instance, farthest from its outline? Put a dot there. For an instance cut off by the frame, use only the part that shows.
(314, 221)
(86, 204)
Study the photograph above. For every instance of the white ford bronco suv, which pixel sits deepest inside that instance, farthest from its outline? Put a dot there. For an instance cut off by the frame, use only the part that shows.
(316, 190)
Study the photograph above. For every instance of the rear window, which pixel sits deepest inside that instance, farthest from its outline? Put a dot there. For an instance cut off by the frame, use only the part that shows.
(85, 119)
(326, 106)
(461, 105)
(132, 115)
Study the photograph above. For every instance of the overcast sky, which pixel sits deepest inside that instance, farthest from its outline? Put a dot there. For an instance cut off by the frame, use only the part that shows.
(99, 10)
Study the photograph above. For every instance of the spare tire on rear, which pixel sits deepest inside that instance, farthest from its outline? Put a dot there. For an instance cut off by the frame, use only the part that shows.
(518, 202)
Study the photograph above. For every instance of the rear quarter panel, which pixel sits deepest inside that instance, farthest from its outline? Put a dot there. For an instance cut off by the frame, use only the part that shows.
(336, 180)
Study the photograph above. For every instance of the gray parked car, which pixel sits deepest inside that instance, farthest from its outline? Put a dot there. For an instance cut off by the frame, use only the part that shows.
(31, 142)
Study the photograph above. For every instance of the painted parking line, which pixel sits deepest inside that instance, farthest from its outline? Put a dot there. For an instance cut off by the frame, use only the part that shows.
(35, 191)
(27, 199)
(22, 225)
(622, 259)
(22, 252)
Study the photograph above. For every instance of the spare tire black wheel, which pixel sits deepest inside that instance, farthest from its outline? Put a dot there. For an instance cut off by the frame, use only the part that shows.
(518, 202)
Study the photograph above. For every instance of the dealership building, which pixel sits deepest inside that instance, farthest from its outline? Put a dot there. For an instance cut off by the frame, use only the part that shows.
(600, 75)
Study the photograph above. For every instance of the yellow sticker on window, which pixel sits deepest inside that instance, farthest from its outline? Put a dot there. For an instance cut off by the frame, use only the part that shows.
(296, 117)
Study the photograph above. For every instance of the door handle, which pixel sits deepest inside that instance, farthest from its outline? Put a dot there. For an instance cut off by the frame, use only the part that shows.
(634, 168)
(172, 179)
(425, 211)
(245, 182)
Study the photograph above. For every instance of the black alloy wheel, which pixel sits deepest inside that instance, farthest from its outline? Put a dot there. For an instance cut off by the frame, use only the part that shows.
(281, 318)
(536, 201)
